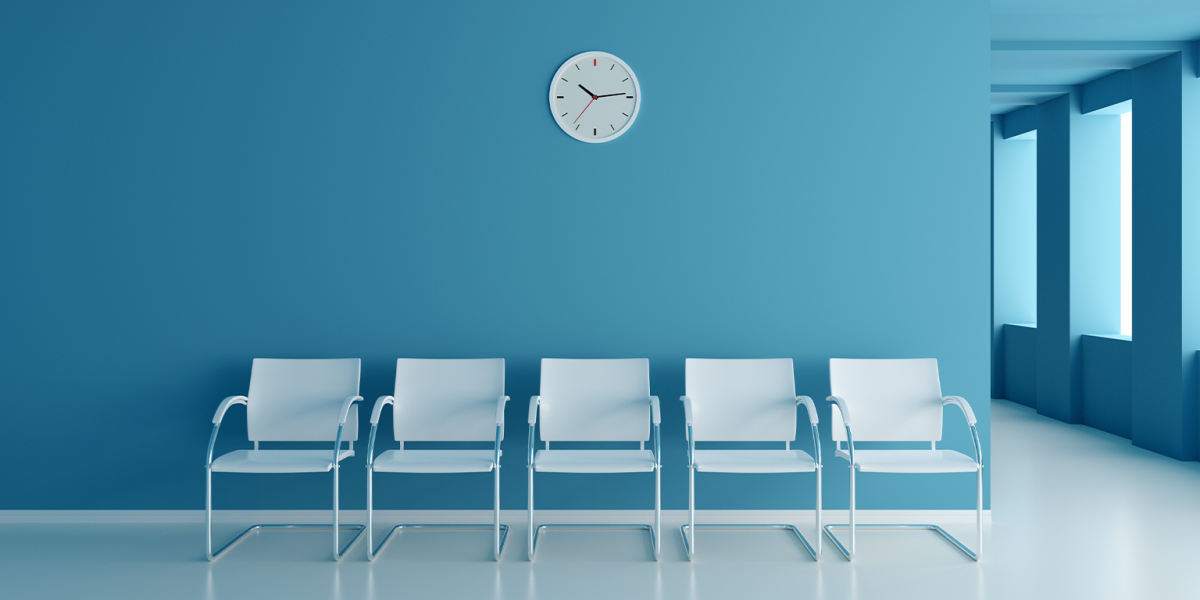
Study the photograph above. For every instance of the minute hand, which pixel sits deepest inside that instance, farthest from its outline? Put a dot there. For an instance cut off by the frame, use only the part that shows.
(607, 95)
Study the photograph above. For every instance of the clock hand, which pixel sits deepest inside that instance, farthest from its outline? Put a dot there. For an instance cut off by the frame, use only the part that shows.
(589, 92)
(607, 95)
(584, 108)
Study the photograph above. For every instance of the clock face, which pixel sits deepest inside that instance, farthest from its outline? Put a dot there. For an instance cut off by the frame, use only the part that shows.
(595, 97)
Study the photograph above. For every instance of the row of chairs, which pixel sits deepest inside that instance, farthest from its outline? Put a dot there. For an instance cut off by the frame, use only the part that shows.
(590, 400)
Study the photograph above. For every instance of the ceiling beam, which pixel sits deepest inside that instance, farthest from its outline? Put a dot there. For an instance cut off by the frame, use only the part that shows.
(1015, 46)
(1032, 89)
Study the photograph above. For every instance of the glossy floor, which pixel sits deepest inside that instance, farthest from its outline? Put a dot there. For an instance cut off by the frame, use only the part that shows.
(1077, 514)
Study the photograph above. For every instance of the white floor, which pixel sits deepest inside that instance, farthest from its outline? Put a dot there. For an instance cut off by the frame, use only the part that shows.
(1076, 514)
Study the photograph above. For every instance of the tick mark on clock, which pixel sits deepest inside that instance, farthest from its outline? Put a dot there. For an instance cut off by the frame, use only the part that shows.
(564, 79)
(563, 115)
(576, 67)
(576, 128)
(611, 68)
(559, 96)
(624, 114)
(630, 97)
(593, 62)
(593, 131)
(624, 80)
(611, 127)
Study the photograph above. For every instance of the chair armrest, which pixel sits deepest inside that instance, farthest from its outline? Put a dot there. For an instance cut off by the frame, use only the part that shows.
(961, 403)
(342, 416)
(346, 404)
(378, 410)
(842, 408)
(812, 408)
(655, 417)
(212, 439)
(500, 409)
(533, 406)
(687, 409)
(225, 404)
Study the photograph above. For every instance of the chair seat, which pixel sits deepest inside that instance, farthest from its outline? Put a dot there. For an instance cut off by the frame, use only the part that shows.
(911, 461)
(435, 461)
(277, 461)
(593, 461)
(754, 461)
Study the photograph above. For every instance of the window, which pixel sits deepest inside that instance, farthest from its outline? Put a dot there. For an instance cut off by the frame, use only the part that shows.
(1127, 223)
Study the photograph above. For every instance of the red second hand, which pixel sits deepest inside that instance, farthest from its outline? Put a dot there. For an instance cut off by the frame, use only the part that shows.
(584, 109)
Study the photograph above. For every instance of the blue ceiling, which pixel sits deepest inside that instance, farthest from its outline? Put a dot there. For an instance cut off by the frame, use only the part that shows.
(1038, 45)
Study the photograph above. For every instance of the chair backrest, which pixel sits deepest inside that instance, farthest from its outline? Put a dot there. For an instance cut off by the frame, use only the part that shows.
(298, 400)
(890, 400)
(447, 400)
(595, 400)
(742, 400)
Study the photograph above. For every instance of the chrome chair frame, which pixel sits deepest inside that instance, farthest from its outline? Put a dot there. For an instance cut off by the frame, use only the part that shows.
(655, 540)
(689, 546)
(501, 530)
(691, 551)
(338, 551)
(853, 527)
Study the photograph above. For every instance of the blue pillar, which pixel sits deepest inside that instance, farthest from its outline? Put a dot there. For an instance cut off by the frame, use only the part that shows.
(1014, 242)
(1166, 255)
(1079, 246)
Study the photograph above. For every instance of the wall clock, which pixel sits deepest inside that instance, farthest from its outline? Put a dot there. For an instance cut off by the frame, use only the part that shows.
(595, 97)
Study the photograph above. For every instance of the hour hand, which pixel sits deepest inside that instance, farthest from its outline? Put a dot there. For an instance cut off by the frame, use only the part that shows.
(589, 92)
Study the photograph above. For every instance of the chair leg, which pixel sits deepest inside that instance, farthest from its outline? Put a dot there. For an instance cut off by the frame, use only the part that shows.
(336, 555)
(657, 514)
(849, 553)
(370, 513)
(691, 547)
(979, 513)
(652, 529)
(500, 530)
(852, 528)
(337, 526)
(208, 514)
(530, 513)
(689, 543)
(496, 511)
(819, 536)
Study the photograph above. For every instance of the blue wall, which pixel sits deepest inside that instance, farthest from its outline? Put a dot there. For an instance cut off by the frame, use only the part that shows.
(1020, 364)
(1166, 255)
(187, 188)
(1079, 246)
(1107, 386)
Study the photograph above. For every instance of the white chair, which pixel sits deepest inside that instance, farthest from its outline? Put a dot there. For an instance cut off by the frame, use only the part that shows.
(745, 401)
(455, 400)
(291, 401)
(595, 401)
(897, 400)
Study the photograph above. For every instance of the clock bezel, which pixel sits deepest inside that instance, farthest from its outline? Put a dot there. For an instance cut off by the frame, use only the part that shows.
(637, 97)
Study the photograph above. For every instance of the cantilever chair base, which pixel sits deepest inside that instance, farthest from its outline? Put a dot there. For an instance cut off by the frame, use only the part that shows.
(846, 553)
(371, 554)
(691, 552)
(654, 543)
(309, 526)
